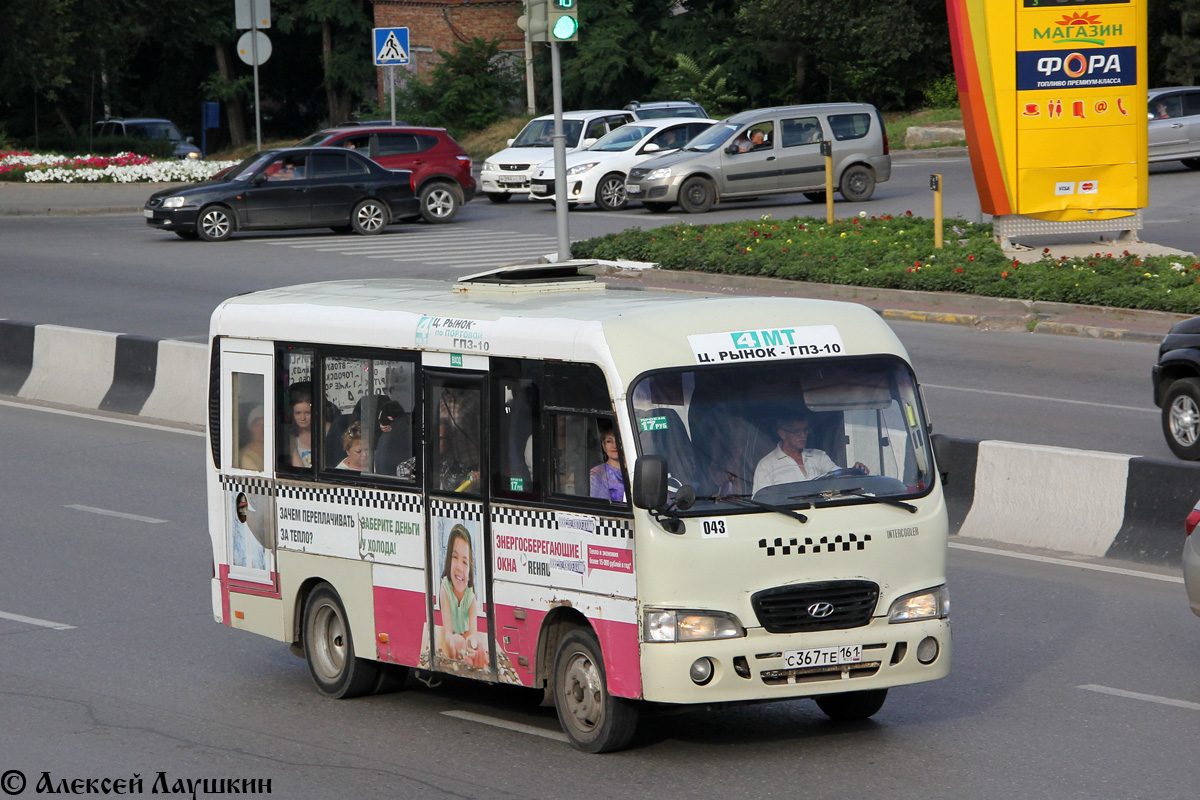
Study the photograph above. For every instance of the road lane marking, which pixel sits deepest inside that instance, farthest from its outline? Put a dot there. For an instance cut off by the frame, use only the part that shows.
(1016, 396)
(41, 623)
(120, 514)
(519, 727)
(1066, 562)
(1149, 698)
(100, 418)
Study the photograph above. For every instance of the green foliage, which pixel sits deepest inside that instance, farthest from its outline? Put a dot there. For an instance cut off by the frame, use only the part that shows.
(1181, 45)
(6, 141)
(898, 253)
(471, 89)
(708, 87)
(942, 92)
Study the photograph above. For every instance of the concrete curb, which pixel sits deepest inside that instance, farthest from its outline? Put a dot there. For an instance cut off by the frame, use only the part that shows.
(1081, 502)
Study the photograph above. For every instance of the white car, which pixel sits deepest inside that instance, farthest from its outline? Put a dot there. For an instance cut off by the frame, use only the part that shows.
(597, 174)
(507, 173)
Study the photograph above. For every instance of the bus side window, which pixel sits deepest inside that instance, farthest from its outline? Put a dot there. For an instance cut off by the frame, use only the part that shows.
(579, 426)
(369, 416)
(248, 423)
(294, 412)
(516, 421)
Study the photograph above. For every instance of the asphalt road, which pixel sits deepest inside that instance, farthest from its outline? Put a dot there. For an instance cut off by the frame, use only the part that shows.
(113, 273)
(1067, 683)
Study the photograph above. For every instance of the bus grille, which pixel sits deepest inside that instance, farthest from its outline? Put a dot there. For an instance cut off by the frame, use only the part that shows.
(790, 609)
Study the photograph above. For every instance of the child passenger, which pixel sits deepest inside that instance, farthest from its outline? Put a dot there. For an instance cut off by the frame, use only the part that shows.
(459, 630)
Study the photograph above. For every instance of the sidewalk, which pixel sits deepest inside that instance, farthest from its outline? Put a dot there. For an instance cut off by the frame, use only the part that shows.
(985, 313)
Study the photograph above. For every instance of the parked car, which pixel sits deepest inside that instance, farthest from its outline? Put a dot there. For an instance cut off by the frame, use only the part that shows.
(770, 151)
(667, 108)
(597, 174)
(1174, 126)
(1176, 382)
(1191, 560)
(298, 187)
(150, 129)
(440, 167)
(508, 172)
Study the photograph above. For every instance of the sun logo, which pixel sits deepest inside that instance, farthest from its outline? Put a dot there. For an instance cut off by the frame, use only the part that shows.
(1079, 18)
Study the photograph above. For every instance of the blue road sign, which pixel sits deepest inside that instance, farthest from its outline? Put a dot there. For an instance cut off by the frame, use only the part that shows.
(391, 46)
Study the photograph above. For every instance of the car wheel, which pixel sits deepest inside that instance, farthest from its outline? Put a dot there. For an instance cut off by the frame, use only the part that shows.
(696, 195)
(191, 236)
(594, 720)
(850, 706)
(858, 183)
(439, 202)
(329, 649)
(816, 197)
(610, 192)
(499, 197)
(214, 224)
(1192, 163)
(1181, 418)
(369, 217)
(656, 208)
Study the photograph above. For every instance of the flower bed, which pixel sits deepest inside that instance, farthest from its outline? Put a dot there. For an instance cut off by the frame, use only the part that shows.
(121, 168)
(898, 253)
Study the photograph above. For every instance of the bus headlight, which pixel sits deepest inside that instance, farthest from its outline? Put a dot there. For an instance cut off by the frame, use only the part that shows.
(926, 604)
(669, 625)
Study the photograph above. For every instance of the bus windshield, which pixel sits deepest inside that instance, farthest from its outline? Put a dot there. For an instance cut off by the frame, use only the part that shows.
(787, 434)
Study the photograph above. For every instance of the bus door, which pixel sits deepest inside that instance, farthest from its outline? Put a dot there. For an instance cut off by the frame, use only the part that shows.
(460, 629)
(248, 575)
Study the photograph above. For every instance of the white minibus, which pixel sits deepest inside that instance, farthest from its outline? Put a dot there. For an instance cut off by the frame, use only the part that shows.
(627, 499)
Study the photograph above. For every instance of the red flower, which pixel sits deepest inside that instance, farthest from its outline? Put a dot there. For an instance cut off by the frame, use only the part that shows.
(908, 213)
(969, 258)
(1004, 274)
(1045, 249)
(1126, 252)
(958, 269)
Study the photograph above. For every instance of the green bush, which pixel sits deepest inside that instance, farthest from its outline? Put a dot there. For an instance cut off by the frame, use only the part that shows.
(942, 92)
(898, 253)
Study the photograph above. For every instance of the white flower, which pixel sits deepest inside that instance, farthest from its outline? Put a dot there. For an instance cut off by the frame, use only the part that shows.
(1175, 265)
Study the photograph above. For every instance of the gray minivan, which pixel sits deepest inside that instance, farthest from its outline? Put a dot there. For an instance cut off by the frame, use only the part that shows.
(769, 151)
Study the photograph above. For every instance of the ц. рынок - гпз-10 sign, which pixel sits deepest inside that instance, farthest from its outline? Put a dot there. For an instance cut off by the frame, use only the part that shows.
(1053, 94)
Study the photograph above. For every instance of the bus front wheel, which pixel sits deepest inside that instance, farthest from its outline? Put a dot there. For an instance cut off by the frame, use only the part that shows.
(594, 720)
(329, 648)
(850, 706)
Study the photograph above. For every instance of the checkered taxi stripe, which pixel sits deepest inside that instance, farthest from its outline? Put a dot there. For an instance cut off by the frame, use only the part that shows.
(445, 508)
(339, 495)
(548, 520)
(826, 544)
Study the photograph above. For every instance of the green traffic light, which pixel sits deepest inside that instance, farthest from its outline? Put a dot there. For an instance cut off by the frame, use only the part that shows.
(565, 27)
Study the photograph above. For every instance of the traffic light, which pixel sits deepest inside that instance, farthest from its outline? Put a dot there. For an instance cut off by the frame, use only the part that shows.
(536, 20)
(564, 20)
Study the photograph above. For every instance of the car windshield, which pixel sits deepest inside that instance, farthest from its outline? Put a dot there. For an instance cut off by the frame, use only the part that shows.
(154, 130)
(245, 170)
(623, 138)
(733, 432)
(312, 141)
(712, 138)
(672, 111)
(540, 133)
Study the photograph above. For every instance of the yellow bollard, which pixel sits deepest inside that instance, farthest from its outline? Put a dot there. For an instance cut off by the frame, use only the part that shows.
(827, 151)
(935, 184)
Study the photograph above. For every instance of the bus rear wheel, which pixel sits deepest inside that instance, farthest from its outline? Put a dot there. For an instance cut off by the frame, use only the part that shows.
(329, 649)
(594, 720)
(850, 706)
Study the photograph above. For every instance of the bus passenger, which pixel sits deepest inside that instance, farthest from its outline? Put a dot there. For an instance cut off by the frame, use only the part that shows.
(459, 636)
(607, 481)
(301, 433)
(352, 443)
(251, 455)
(791, 461)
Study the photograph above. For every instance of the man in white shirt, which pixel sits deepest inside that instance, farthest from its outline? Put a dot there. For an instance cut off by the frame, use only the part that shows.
(791, 461)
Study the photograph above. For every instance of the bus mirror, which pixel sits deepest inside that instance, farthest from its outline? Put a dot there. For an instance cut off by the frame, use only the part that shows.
(650, 482)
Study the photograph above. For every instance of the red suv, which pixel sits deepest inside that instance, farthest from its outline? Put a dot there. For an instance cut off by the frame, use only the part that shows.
(441, 168)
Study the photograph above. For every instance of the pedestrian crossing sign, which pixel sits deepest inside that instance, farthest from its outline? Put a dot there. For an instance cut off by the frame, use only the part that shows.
(391, 46)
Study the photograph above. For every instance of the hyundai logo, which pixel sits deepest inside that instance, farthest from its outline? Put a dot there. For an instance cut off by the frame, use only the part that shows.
(820, 610)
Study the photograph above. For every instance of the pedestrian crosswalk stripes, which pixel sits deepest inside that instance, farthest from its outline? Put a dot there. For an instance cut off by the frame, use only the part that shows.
(439, 245)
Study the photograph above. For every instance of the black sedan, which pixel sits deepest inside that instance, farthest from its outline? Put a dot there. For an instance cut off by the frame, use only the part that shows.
(299, 187)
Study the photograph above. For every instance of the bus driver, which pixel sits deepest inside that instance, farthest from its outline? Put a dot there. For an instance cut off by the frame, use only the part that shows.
(791, 461)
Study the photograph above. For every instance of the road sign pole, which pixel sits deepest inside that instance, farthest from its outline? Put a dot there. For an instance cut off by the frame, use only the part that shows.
(257, 103)
(560, 158)
(391, 78)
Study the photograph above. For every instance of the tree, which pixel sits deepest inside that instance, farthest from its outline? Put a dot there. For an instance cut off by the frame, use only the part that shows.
(708, 88)
(345, 28)
(1181, 46)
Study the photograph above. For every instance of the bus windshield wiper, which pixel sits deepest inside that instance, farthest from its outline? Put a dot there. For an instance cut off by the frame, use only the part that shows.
(746, 500)
(857, 491)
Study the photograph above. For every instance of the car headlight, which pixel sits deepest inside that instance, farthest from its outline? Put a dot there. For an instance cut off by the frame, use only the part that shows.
(193, 155)
(659, 174)
(579, 169)
(489, 166)
(174, 202)
(670, 625)
(925, 604)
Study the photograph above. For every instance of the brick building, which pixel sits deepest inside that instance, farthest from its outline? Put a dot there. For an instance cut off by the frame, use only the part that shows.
(438, 24)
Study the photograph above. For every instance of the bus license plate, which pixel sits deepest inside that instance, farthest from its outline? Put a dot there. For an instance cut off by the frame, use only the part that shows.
(823, 656)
